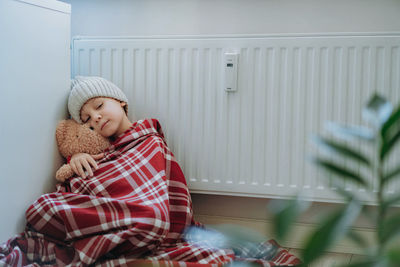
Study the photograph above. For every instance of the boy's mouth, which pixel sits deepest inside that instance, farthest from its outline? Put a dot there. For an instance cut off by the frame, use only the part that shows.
(104, 125)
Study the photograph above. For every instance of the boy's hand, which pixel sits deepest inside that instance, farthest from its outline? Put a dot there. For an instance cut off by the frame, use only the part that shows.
(82, 162)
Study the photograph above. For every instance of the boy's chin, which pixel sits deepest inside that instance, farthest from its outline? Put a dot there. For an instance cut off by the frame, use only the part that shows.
(105, 134)
(109, 133)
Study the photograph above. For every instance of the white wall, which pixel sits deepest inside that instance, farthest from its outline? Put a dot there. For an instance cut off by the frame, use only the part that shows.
(165, 17)
(206, 17)
(35, 79)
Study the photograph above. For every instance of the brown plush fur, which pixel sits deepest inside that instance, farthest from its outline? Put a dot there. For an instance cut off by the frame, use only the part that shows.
(75, 138)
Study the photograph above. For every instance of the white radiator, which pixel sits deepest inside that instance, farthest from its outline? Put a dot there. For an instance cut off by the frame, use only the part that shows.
(253, 142)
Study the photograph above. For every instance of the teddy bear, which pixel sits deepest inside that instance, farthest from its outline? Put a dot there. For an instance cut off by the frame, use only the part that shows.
(73, 138)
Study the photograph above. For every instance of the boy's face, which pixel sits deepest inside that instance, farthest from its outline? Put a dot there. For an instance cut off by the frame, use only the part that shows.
(106, 116)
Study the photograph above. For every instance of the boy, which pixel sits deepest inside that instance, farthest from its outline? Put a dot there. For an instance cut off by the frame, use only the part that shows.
(135, 208)
(103, 106)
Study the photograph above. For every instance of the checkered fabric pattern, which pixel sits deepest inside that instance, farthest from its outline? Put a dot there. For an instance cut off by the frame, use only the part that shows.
(133, 212)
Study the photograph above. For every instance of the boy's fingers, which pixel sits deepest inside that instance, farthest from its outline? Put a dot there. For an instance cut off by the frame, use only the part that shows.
(82, 163)
(87, 168)
(98, 156)
(81, 172)
(93, 163)
(73, 167)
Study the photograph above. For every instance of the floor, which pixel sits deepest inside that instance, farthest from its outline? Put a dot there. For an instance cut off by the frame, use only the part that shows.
(330, 259)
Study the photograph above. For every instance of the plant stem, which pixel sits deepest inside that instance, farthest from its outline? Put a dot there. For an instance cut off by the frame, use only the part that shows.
(381, 210)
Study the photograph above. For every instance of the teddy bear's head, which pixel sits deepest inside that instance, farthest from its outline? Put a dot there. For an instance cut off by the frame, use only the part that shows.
(75, 138)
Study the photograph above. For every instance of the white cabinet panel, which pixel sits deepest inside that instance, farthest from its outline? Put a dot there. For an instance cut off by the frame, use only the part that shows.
(35, 78)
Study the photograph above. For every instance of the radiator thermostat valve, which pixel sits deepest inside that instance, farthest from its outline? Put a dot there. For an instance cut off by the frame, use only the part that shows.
(231, 61)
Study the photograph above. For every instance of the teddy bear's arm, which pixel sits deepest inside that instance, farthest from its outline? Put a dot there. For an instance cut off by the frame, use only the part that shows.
(64, 173)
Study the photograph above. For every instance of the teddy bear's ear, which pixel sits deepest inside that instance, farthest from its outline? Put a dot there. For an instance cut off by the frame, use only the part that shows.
(60, 131)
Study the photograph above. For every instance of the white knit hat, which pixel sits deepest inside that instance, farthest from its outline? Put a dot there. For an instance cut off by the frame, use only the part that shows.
(84, 88)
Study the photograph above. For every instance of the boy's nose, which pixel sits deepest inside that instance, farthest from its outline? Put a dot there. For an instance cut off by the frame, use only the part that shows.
(98, 117)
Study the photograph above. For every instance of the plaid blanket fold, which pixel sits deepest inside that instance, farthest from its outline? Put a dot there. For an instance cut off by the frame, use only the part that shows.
(132, 212)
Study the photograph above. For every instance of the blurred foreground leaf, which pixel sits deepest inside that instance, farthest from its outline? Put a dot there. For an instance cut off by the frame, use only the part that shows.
(335, 227)
(391, 201)
(389, 144)
(339, 170)
(387, 128)
(285, 213)
(238, 233)
(390, 228)
(341, 149)
(242, 264)
(377, 111)
(350, 132)
(244, 242)
(394, 257)
(369, 263)
(357, 238)
(392, 174)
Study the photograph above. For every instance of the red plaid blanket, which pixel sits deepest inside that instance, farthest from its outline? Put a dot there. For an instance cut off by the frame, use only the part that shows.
(136, 207)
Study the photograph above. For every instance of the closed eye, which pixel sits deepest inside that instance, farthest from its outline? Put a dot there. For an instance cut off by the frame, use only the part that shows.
(99, 106)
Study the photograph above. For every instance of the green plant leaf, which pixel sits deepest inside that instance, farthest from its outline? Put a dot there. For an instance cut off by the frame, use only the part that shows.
(377, 111)
(390, 132)
(391, 175)
(341, 190)
(357, 239)
(389, 144)
(242, 264)
(350, 132)
(335, 227)
(394, 257)
(369, 263)
(285, 213)
(341, 149)
(339, 170)
(391, 201)
(390, 228)
(241, 240)
(394, 118)
(238, 234)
